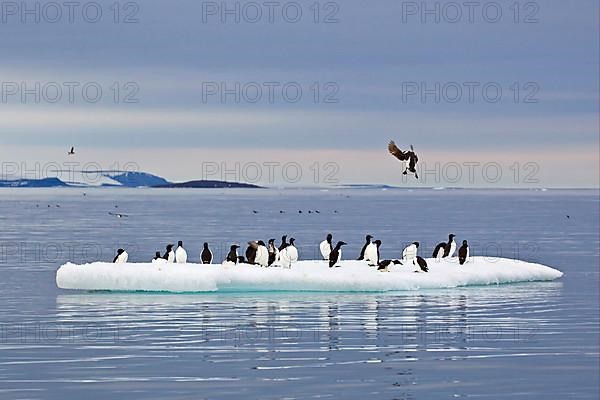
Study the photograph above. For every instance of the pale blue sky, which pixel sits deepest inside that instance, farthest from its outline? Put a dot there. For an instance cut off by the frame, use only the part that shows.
(368, 55)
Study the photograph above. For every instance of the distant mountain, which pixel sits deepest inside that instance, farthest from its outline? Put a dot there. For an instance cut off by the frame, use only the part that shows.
(86, 179)
(209, 185)
(32, 183)
(139, 179)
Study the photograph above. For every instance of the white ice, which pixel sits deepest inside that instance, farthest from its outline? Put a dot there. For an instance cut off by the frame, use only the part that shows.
(350, 276)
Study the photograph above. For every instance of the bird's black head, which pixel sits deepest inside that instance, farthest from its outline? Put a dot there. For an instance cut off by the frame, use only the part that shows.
(329, 237)
(234, 247)
(292, 240)
(261, 243)
(180, 243)
(169, 247)
(377, 243)
(464, 243)
(271, 241)
(283, 238)
(451, 236)
(205, 245)
(340, 244)
(369, 237)
(120, 251)
(416, 244)
(157, 254)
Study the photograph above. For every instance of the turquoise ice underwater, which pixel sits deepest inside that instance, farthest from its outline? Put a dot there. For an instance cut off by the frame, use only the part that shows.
(519, 340)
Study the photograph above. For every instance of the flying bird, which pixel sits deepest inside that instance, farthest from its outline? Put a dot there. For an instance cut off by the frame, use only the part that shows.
(118, 215)
(71, 152)
(404, 156)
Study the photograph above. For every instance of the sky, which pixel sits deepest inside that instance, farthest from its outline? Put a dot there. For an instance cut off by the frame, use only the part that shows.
(494, 94)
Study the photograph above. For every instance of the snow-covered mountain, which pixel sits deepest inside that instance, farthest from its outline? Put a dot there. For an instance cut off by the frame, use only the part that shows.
(68, 178)
(85, 179)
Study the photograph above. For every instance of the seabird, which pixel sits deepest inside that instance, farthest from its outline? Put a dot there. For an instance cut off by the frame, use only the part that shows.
(404, 156)
(289, 255)
(443, 249)
(336, 254)
(118, 215)
(326, 247)
(463, 252)
(362, 252)
(169, 254)
(121, 257)
(180, 254)
(206, 255)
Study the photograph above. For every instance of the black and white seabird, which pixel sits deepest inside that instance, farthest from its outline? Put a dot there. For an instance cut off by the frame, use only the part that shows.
(422, 264)
(169, 254)
(383, 265)
(326, 247)
(180, 254)
(463, 252)
(273, 251)
(262, 254)
(336, 254)
(121, 256)
(157, 256)
(206, 256)
(371, 255)
(289, 255)
(284, 243)
(404, 156)
(362, 251)
(118, 215)
(232, 256)
(72, 151)
(443, 249)
(409, 254)
(251, 252)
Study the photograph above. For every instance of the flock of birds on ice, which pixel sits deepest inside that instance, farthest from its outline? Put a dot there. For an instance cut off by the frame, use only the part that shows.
(286, 254)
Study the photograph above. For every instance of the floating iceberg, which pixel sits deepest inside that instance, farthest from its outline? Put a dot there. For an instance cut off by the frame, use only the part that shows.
(350, 276)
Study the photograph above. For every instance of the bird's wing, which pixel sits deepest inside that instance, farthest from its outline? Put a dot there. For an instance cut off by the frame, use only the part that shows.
(396, 152)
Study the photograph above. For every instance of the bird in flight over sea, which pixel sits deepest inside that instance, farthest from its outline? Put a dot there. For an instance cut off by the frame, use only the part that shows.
(118, 215)
(405, 156)
(72, 151)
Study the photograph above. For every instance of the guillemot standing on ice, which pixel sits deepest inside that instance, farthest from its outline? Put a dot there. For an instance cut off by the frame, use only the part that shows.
(289, 255)
(206, 256)
(284, 243)
(121, 256)
(262, 254)
(422, 264)
(325, 247)
(232, 256)
(463, 253)
(273, 251)
(409, 254)
(336, 254)
(371, 254)
(443, 249)
(251, 253)
(362, 251)
(180, 254)
(169, 254)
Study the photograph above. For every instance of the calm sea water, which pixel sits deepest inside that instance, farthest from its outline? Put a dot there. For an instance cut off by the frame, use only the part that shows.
(520, 341)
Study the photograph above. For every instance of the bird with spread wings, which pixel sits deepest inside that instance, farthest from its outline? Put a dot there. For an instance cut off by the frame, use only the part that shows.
(405, 156)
